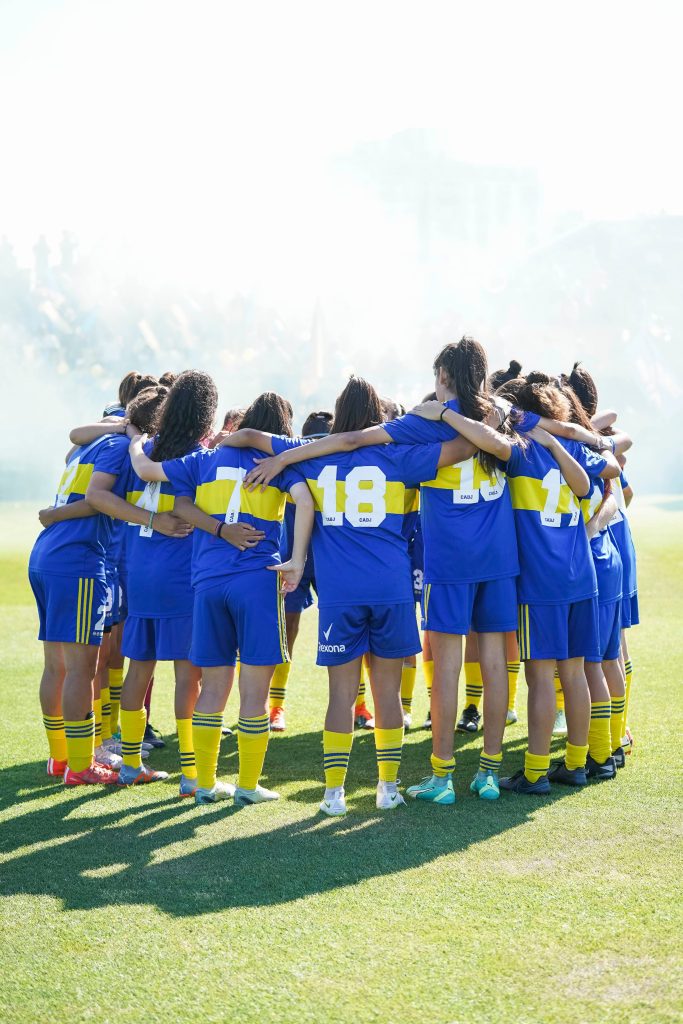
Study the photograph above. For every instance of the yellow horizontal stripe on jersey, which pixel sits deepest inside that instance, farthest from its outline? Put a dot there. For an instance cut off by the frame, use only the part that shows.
(591, 504)
(412, 500)
(529, 494)
(75, 481)
(166, 501)
(214, 498)
(449, 477)
(397, 498)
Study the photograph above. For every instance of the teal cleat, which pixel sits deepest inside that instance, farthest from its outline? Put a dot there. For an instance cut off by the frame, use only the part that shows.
(188, 787)
(434, 789)
(486, 785)
(219, 791)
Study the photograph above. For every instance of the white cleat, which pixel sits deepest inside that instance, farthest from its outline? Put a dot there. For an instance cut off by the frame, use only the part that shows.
(407, 720)
(219, 791)
(104, 756)
(334, 802)
(260, 795)
(388, 796)
(114, 747)
(560, 727)
(511, 717)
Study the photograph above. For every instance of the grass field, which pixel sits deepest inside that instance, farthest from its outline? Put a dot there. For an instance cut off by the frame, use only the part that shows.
(136, 906)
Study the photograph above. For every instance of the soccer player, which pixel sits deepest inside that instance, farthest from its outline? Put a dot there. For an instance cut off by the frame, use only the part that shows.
(238, 603)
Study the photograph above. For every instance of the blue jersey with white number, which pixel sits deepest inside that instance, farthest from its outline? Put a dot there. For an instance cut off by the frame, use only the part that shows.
(213, 479)
(606, 557)
(77, 547)
(621, 531)
(556, 566)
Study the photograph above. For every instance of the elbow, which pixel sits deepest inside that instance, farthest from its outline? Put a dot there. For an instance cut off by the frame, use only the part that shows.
(96, 499)
(73, 437)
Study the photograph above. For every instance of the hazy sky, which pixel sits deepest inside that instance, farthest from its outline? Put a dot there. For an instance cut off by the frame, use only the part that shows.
(196, 139)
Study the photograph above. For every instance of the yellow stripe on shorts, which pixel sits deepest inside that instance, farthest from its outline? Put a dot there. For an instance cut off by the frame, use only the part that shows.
(428, 591)
(282, 628)
(78, 611)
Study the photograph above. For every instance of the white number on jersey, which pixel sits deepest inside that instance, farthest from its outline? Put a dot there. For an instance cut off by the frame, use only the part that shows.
(489, 488)
(355, 495)
(232, 473)
(66, 483)
(149, 500)
(550, 513)
(618, 492)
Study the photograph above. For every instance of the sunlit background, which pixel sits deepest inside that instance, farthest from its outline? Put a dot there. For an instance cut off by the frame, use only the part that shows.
(283, 193)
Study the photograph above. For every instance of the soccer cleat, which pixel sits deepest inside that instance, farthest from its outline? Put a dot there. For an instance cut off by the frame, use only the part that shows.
(260, 795)
(105, 757)
(559, 772)
(388, 796)
(334, 802)
(511, 717)
(628, 741)
(434, 789)
(277, 720)
(226, 731)
(153, 737)
(93, 776)
(560, 726)
(518, 783)
(129, 776)
(619, 756)
(486, 785)
(188, 787)
(114, 747)
(601, 772)
(428, 720)
(219, 791)
(469, 720)
(407, 720)
(363, 718)
(55, 769)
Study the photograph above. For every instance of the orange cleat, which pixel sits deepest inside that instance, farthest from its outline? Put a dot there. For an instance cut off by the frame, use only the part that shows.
(363, 717)
(55, 769)
(95, 775)
(277, 720)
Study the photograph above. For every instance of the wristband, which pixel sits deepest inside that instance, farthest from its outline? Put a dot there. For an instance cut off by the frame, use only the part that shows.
(151, 520)
(217, 531)
(445, 410)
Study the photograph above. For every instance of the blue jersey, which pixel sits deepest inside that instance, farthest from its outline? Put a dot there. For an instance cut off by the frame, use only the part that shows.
(360, 538)
(467, 521)
(606, 557)
(556, 566)
(159, 567)
(214, 479)
(77, 547)
(621, 531)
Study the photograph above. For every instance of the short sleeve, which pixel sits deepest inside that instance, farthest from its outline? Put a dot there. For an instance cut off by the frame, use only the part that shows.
(591, 461)
(513, 464)
(524, 421)
(289, 476)
(412, 429)
(183, 474)
(624, 481)
(284, 444)
(418, 462)
(111, 456)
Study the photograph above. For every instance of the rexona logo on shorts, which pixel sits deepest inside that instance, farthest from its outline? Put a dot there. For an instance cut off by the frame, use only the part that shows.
(330, 648)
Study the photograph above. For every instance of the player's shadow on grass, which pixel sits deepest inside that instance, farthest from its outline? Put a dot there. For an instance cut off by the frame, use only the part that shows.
(88, 851)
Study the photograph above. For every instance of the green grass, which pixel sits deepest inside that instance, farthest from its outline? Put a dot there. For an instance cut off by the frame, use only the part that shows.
(137, 906)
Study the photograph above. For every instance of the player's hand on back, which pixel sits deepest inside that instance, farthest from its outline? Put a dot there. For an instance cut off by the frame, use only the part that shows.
(263, 472)
(428, 410)
(242, 535)
(290, 575)
(46, 516)
(171, 525)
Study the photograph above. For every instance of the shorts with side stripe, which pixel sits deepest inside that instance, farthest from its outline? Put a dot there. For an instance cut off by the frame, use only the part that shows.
(629, 612)
(559, 631)
(112, 598)
(243, 612)
(609, 624)
(486, 607)
(71, 609)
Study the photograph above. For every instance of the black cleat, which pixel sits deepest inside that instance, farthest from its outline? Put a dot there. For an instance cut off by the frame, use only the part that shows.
(565, 776)
(601, 772)
(153, 736)
(619, 757)
(469, 720)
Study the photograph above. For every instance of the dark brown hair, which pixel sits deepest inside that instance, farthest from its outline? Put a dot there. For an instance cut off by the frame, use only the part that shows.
(271, 413)
(144, 410)
(583, 386)
(233, 418)
(168, 378)
(132, 384)
(187, 416)
(357, 407)
(464, 364)
(499, 377)
(317, 423)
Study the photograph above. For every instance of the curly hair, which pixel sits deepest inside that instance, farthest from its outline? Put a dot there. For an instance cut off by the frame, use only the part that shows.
(187, 415)
(357, 407)
(144, 410)
(271, 413)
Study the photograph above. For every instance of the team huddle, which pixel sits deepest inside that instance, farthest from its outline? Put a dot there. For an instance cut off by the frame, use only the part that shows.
(498, 504)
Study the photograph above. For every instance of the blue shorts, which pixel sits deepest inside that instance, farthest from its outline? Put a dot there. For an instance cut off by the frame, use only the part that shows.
(629, 612)
(157, 639)
(71, 609)
(112, 615)
(416, 551)
(559, 631)
(301, 598)
(488, 607)
(346, 632)
(609, 625)
(244, 612)
(123, 596)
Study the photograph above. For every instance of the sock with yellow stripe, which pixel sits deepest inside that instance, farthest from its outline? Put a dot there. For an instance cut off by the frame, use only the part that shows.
(132, 730)
(188, 765)
(513, 676)
(428, 672)
(336, 753)
(388, 744)
(360, 699)
(474, 686)
(115, 687)
(575, 757)
(80, 743)
(628, 669)
(278, 685)
(105, 698)
(616, 722)
(56, 737)
(408, 676)
(252, 743)
(97, 710)
(206, 739)
(489, 762)
(535, 766)
(559, 693)
(442, 768)
(599, 731)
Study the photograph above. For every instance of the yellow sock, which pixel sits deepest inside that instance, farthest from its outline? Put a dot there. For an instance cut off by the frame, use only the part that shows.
(252, 742)
(56, 737)
(513, 676)
(559, 693)
(474, 686)
(428, 672)
(278, 685)
(336, 753)
(360, 699)
(80, 743)
(188, 765)
(628, 668)
(97, 709)
(132, 730)
(599, 731)
(442, 768)
(408, 676)
(206, 739)
(115, 687)
(575, 757)
(535, 766)
(388, 744)
(489, 762)
(106, 713)
(616, 722)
